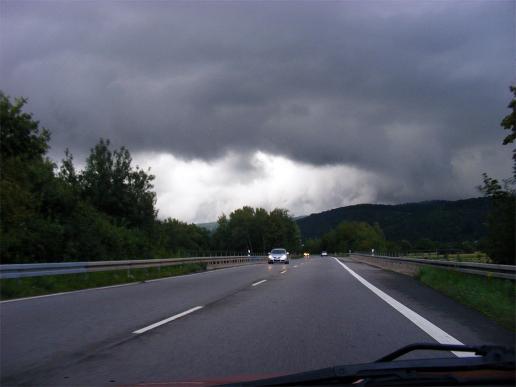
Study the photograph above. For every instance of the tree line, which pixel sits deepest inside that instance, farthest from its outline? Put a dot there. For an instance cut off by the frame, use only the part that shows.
(107, 210)
(349, 236)
(256, 229)
(362, 236)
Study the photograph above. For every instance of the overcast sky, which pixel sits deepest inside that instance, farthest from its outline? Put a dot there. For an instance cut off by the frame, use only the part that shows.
(302, 105)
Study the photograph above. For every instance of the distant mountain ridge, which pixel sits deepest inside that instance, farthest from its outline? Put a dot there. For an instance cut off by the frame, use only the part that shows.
(438, 220)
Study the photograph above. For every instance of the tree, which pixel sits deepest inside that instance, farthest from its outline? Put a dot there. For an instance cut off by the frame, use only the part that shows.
(181, 238)
(313, 245)
(257, 230)
(220, 238)
(241, 225)
(28, 190)
(500, 243)
(112, 186)
(405, 246)
(105, 212)
(509, 123)
(425, 244)
(282, 231)
(67, 171)
(21, 136)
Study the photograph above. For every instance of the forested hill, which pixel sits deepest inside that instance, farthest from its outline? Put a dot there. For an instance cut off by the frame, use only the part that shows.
(439, 220)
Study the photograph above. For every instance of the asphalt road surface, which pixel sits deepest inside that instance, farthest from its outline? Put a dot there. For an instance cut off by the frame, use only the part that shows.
(249, 320)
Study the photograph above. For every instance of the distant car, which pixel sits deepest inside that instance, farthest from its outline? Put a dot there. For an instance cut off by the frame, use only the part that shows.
(324, 254)
(306, 254)
(278, 255)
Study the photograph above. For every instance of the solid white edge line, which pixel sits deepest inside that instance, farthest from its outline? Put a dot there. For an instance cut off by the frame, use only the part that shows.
(175, 317)
(259, 282)
(422, 323)
(70, 292)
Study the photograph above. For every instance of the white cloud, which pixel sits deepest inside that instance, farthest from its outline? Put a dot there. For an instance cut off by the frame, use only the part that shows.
(200, 191)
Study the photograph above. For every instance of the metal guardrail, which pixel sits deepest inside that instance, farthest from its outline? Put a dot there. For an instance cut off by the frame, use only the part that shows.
(44, 269)
(485, 269)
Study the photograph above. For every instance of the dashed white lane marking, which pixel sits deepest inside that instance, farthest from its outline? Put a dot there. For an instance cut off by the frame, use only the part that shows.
(159, 323)
(295, 265)
(283, 272)
(430, 329)
(259, 282)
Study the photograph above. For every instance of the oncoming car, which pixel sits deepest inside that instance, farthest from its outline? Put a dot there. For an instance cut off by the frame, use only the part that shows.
(278, 255)
(324, 254)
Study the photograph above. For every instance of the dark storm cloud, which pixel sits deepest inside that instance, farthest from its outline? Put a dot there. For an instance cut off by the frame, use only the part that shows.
(395, 88)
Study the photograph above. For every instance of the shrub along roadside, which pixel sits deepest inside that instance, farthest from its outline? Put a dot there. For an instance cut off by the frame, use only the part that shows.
(493, 297)
(35, 286)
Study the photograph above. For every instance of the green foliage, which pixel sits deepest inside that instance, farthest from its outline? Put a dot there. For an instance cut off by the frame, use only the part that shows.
(111, 185)
(312, 246)
(221, 236)
(468, 247)
(242, 224)
(20, 136)
(28, 190)
(49, 217)
(404, 246)
(354, 236)
(175, 237)
(500, 242)
(105, 212)
(425, 244)
(282, 231)
(256, 230)
(509, 123)
(492, 296)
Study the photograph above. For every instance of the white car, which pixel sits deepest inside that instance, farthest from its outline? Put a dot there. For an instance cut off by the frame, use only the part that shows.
(278, 255)
(324, 254)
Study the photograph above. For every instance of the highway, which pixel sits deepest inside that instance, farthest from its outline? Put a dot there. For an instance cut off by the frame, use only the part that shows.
(248, 320)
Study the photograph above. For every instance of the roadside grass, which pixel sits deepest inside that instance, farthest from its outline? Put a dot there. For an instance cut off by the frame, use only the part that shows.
(36, 286)
(462, 257)
(494, 297)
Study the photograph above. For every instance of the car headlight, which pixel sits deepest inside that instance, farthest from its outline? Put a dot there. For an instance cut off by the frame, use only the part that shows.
(283, 256)
(270, 256)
